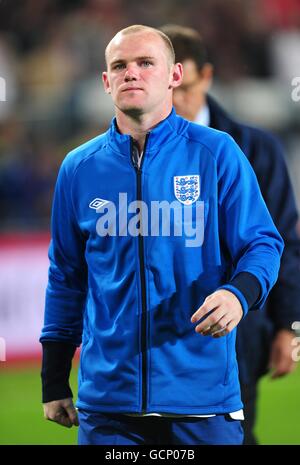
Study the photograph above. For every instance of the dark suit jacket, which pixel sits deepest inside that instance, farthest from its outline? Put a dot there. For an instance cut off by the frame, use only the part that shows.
(266, 156)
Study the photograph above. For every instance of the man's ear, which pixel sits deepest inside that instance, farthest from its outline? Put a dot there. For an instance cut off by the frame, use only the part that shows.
(176, 75)
(106, 82)
(207, 74)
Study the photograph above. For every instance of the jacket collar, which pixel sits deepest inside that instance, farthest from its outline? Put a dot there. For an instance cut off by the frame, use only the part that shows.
(219, 118)
(161, 134)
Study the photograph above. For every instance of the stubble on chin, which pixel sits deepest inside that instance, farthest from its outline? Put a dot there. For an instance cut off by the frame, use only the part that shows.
(132, 111)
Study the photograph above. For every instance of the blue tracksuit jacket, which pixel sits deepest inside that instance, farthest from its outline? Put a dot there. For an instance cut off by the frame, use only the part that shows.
(128, 297)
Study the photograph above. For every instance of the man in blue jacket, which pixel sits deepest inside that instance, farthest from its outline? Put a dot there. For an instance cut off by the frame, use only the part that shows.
(161, 243)
(270, 343)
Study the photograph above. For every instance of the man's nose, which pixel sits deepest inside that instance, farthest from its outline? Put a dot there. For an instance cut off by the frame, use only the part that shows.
(131, 73)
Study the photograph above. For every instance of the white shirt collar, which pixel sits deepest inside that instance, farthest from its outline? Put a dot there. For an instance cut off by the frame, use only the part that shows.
(203, 116)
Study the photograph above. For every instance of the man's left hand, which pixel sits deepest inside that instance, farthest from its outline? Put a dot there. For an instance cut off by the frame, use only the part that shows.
(281, 361)
(223, 312)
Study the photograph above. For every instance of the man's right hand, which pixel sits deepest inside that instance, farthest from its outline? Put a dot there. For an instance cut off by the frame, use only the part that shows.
(62, 412)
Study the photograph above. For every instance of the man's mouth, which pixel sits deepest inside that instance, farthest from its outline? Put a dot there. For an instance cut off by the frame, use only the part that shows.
(131, 89)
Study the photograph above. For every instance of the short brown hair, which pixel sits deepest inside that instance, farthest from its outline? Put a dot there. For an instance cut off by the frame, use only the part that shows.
(141, 28)
(187, 44)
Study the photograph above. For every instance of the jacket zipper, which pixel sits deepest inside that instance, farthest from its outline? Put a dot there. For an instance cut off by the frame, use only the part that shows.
(138, 169)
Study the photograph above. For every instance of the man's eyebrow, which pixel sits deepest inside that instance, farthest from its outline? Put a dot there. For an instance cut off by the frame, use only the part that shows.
(146, 57)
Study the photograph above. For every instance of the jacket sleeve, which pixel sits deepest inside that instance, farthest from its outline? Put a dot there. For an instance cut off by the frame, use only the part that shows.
(283, 303)
(246, 227)
(67, 280)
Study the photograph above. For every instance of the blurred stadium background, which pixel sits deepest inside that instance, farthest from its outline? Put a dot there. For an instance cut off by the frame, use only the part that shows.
(51, 100)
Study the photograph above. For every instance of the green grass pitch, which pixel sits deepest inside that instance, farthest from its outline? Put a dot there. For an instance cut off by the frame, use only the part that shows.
(22, 422)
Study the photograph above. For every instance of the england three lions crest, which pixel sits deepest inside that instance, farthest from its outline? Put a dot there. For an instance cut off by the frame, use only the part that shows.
(187, 188)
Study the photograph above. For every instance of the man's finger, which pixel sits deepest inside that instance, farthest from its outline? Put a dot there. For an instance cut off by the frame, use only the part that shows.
(62, 419)
(208, 305)
(283, 367)
(226, 330)
(219, 326)
(72, 413)
(209, 322)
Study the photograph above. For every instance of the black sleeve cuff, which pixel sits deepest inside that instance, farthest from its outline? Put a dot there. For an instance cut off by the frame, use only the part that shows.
(249, 286)
(56, 367)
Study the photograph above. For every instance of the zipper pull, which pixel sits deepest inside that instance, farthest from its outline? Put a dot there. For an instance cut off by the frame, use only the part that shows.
(135, 155)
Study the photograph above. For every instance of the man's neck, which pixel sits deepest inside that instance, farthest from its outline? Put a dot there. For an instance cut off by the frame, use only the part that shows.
(137, 126)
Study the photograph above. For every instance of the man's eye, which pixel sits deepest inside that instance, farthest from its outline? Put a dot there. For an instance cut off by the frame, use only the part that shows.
(146, 63)
(119, 66)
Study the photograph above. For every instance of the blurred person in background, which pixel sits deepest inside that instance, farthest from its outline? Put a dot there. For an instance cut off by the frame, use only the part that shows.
(264, 338)
(133, 298)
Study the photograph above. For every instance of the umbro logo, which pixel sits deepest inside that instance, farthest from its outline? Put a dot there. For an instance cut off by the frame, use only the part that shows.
(97, 203)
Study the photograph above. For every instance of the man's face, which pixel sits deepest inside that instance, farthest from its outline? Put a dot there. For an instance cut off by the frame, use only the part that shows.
(139, 73)
(190, 96)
